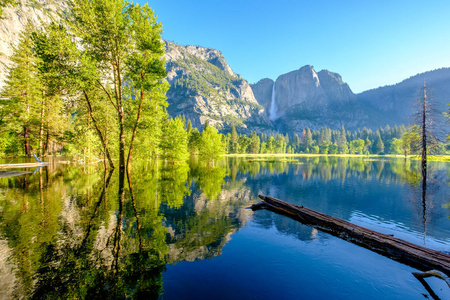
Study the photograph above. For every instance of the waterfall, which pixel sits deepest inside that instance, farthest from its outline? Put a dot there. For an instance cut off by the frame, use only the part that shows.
(273, 108)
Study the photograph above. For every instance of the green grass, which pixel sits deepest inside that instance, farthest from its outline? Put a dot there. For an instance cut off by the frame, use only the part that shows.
(278, 155)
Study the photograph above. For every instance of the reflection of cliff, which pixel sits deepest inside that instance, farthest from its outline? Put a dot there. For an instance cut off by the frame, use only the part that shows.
(285, 225)
(8, 276)
(205, 225)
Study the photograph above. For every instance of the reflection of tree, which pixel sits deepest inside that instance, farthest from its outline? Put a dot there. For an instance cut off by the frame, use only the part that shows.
(202, 227)
(74, 238)
(173, 184)
(29, 218)
(210, 179)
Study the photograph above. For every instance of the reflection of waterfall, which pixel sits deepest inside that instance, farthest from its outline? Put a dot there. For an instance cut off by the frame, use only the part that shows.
(273, 108)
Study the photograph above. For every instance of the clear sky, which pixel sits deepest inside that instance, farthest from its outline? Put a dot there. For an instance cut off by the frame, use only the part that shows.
(370, 43)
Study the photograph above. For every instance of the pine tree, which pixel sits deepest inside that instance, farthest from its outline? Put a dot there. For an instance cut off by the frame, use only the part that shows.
(23, 91)
(307, 139)
(234, 141)
(379, 145)
(254, 143)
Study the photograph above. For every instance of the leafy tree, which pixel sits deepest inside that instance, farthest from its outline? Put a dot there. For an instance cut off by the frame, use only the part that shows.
(395, 146)
(315, 149)
(323, 148)
(244, 143)
(121, 49)
(357, 146)
(210, 144)
(333, 149)
(174, 141)
(270, 145)
(410, 140)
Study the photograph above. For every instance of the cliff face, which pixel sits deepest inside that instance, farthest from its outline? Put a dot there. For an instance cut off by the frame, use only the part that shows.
(15, 19)
(263, 92)
(204, 87)
(305, 98)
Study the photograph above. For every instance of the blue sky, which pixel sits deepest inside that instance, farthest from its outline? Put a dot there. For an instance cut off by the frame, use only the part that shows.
(370, 43)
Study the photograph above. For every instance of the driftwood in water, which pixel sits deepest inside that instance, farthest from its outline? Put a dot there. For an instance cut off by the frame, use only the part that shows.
(4, 174)
(414, 255)
(23, 165)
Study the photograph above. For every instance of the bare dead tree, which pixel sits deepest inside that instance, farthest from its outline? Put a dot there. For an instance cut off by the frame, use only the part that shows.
(430, 121)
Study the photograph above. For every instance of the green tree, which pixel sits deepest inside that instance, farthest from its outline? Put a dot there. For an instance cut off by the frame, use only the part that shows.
(119, 43)
(307, 140)
(357, 146)
(244, 143)
(379, 145)
(254, 143)
(395, 146)
(342, 141)
(234, 141)
(333, 149)
(23, 92)
(323, 148)
(174, 141)
(210, 146)
(410, 140)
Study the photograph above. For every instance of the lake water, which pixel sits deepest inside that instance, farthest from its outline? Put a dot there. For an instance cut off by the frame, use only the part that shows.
(185, 232)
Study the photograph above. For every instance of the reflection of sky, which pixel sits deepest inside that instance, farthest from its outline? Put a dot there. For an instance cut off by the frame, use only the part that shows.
(399, 230)
(262, 263)
(379, 191)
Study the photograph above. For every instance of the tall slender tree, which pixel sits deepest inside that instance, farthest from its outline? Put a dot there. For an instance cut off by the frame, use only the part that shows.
(122, 50)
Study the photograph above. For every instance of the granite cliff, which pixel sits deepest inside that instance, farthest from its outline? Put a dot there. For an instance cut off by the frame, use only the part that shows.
(306, 98)
(205, 88)
(14, 20)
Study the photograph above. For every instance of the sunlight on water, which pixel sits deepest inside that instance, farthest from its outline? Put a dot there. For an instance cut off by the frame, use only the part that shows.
(185, 231)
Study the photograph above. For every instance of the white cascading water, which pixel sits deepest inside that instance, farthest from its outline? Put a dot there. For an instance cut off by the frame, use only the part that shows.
(273, 107)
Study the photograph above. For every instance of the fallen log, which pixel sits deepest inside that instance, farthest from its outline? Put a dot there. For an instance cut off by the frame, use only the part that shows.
(414, 255)
(23, 165)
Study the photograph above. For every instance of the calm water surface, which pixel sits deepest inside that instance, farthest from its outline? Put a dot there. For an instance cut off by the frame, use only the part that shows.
(185, 231)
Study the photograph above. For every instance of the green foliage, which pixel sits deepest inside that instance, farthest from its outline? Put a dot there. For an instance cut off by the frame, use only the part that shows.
(357, 146)
(210, 144)
(174, 141)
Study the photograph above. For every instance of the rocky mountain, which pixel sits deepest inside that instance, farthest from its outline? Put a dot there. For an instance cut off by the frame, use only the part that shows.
(395, 104)
(305, 98)
(37, 12)
(205, 88)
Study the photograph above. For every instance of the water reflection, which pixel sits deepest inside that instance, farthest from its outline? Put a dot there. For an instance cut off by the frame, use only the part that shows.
(73, 232)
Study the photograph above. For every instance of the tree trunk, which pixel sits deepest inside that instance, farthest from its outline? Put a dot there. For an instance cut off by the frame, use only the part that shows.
(26, 140)
(41, 129)
(130, 152)
(424, 135)
(99, 132)
(121, 139)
